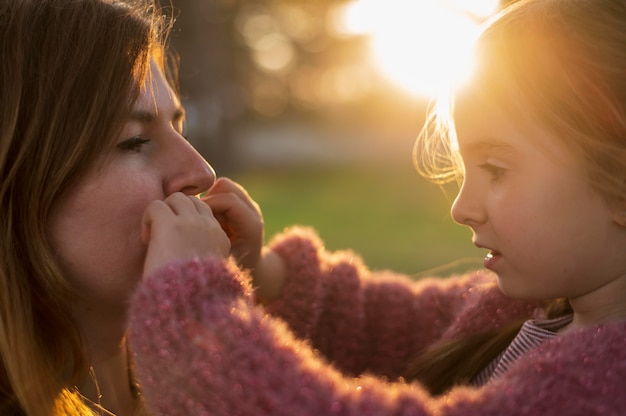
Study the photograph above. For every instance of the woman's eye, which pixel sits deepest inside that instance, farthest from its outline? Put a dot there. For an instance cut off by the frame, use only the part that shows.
(496, 172)
(133, 144)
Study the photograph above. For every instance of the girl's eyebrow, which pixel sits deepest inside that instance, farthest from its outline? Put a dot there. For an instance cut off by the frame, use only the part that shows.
(490, 145)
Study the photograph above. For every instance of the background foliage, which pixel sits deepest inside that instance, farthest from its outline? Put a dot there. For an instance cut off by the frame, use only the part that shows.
(293, 110)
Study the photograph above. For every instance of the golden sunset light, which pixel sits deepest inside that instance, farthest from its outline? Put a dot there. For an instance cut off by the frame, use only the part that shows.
(419, 45)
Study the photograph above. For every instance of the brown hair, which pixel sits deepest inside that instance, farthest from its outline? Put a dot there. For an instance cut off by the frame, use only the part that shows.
(70, 70)
(561, 63)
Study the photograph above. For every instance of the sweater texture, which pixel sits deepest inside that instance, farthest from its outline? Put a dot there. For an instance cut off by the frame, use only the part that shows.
(339, 336)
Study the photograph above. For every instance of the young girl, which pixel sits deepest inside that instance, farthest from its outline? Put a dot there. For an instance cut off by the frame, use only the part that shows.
(538, 138)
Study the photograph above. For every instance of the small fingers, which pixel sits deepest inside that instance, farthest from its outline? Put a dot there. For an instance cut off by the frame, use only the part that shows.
(177, 204)
(225, 185)
(182, 204)
(201, 207)
(156, 210)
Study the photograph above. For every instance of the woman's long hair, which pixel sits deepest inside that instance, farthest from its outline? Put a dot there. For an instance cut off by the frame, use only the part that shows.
(69, 72)
(559, 63)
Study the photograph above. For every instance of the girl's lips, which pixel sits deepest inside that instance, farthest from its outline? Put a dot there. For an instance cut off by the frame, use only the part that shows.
(491, 259)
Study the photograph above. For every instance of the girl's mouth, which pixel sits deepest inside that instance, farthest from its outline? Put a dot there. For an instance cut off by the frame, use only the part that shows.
(491, 259)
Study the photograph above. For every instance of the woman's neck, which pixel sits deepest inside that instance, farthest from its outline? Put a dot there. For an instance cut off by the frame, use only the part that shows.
(109, 383)
(109, 380)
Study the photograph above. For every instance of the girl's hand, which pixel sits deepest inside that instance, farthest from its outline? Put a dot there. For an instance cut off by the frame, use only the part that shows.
(241, 220)
(180, 228)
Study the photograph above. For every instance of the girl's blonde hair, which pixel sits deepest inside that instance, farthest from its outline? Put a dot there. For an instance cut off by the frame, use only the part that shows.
(560, 63)
(69, 72)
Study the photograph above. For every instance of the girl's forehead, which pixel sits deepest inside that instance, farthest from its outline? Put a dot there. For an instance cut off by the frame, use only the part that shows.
(470, 108)
(485, 120)
(486, 103)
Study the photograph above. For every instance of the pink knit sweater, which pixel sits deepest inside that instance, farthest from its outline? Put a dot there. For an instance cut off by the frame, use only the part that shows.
(204, 347)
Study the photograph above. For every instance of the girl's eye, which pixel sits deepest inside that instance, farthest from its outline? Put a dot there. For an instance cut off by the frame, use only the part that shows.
(496, 172)
(133, 144)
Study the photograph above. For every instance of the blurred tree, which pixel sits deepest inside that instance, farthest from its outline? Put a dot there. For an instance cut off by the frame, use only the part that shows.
(245, 60)
(209, 82)
(261, 59)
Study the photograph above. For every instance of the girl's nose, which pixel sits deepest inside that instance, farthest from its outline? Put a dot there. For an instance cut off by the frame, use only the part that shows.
(467, 208)
(191, 173)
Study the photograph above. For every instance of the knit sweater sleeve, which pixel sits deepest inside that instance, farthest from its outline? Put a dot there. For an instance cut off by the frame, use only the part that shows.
(202, 346)
(374, 322)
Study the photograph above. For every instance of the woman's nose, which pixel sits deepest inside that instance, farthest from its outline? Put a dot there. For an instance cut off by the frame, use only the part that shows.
(467, 208)
(191, 173)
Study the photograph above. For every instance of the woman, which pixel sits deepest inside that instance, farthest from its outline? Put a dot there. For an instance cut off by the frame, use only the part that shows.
(91, 133)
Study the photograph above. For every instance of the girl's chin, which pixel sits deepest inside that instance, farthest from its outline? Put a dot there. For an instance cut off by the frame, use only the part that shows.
(516, 292)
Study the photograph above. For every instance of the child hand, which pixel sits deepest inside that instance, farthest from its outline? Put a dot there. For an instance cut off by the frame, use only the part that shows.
(240, 218)
(180, 227)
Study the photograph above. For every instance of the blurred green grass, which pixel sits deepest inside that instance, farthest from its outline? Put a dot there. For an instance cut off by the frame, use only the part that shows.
(385, 212)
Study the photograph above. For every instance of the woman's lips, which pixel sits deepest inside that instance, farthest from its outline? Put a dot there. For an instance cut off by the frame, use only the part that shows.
(491, 259)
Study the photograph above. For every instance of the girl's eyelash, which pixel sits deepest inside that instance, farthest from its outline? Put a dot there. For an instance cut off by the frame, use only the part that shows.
(495, 171)
(133, 144)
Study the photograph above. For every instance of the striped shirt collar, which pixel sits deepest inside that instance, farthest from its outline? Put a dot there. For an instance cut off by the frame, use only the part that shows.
(533, 333)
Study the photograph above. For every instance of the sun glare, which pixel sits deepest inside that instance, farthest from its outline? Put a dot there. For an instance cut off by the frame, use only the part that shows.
(421, 45)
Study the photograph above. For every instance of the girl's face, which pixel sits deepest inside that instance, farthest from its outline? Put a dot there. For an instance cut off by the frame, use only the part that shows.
(529, 203)
(96, 229)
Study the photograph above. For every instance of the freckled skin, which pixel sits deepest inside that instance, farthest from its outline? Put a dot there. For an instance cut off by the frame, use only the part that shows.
(97, 228)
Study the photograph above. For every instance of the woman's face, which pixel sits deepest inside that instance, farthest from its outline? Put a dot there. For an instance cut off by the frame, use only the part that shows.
(96, 229)
(529, 203)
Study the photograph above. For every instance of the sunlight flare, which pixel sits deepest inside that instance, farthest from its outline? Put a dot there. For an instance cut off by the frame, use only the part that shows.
(421, 46)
